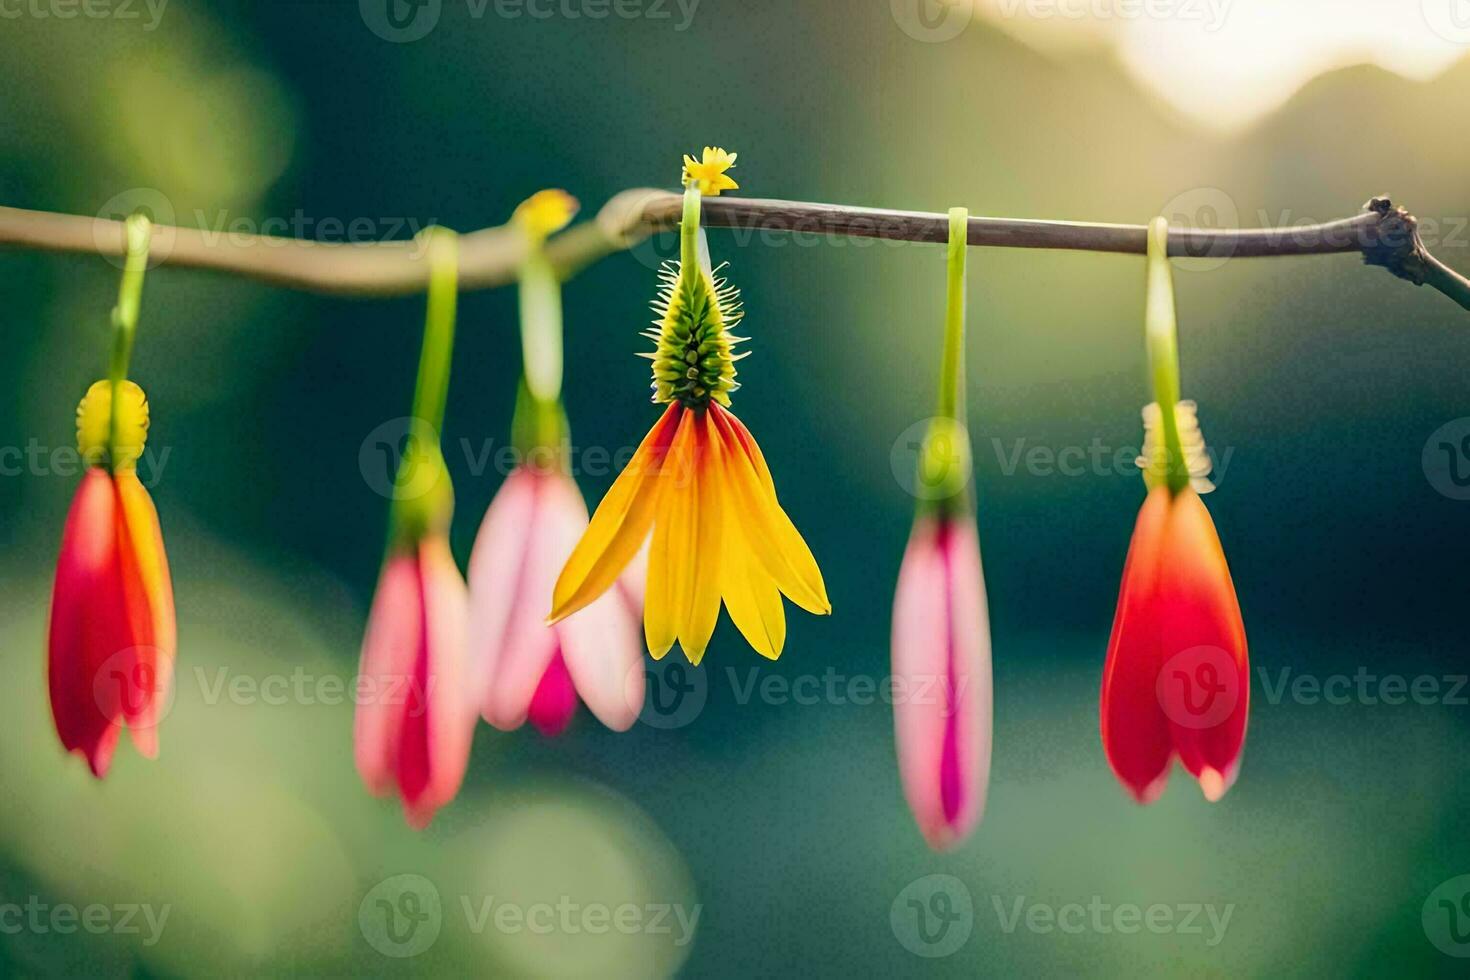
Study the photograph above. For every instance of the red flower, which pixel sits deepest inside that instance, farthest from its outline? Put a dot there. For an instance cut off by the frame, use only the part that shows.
(1177, 674)
(414, 714)
(112, 635)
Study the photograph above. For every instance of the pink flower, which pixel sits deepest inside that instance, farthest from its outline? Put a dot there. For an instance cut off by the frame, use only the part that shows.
(941, 676)
(414, 719)
(525, 668)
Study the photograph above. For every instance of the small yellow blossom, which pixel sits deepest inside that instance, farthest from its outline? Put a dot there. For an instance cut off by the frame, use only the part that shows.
(709, 173)
(545, 212)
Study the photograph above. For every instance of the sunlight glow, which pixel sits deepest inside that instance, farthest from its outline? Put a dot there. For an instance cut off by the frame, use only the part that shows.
(1227, 63)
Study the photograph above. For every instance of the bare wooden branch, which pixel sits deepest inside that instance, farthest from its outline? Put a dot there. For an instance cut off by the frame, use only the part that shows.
(1382, 233)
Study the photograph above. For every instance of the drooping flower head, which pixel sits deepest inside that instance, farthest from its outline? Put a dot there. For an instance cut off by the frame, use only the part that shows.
(698, 483)
(415, 714)
(112, 636)
(941, 626)
(1177, 677)
(526, 669)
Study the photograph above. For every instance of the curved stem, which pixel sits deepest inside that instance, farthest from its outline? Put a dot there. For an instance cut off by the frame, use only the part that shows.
(952, 365)
(432, 390)
(1162, 337)
(129, 295)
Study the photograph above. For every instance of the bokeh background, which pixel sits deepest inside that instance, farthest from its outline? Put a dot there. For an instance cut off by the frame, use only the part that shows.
(774, 817)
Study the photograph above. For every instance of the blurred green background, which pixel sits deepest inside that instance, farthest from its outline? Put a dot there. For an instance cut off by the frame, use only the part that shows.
(778, 818)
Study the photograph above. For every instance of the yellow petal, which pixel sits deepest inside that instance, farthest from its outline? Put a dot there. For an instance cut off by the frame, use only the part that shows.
(751, 594)
(663, 614)
(704, 556)
(620, 525)
(771, 535)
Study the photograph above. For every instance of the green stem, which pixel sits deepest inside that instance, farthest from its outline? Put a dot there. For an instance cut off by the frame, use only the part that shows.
(139, 232)
(432, 389)
(689, 229)
(952, 365)
(541, 327)
(1162, 335)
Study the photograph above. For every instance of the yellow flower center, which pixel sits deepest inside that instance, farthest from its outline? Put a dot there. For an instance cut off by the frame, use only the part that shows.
(709, 173)
(98, 440)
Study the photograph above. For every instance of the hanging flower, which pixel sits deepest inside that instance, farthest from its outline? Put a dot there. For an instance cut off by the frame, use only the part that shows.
(112, 635)
(941, 627)
(1177, 678)
(415, 716)
(698, 483)
(526, 668)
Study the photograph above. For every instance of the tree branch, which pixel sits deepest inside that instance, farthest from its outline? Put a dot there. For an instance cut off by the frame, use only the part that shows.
(1382, 233)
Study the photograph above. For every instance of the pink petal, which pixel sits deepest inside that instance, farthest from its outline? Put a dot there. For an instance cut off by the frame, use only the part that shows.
(391, 651)
(497, 565)
(555, 701)
(440, 719)
(526, 643)
(941, 672)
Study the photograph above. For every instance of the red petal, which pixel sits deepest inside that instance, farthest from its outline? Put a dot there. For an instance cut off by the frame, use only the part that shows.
(1204, 683)
(89, 626)
(1135, 730)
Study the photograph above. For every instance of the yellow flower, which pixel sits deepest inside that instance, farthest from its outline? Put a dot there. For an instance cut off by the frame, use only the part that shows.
(709, 174)
(545, 212)
(698, 492)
